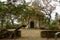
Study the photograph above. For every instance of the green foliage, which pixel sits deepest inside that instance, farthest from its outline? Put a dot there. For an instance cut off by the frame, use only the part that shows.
(9, 11)
(10, 26)
(53, 25)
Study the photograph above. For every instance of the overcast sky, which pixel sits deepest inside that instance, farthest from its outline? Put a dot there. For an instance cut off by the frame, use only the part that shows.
(54, 3)
(57, 9)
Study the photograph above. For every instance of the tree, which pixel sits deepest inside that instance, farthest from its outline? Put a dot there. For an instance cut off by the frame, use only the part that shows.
(56, 16)
(3, 10)
(11, 12)
(11, 7)
(24, 11)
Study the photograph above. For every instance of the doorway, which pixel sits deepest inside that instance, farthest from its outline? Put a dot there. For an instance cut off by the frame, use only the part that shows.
(32, 24)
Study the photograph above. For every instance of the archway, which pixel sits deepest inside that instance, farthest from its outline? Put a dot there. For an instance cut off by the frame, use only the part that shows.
(32, 24)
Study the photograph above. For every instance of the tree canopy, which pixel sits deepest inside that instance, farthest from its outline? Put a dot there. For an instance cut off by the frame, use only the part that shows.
(10, 12)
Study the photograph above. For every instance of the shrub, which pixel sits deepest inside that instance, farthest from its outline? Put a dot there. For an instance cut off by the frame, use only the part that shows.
(11, 26)
(53, 25)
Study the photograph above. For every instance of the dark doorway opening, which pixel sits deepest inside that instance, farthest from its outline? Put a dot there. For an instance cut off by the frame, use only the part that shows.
(32, 24)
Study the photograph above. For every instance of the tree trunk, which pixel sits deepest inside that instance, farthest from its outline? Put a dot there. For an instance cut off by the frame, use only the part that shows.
(12, 20)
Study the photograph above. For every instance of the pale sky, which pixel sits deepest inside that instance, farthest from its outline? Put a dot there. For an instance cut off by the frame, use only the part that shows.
(57, 9)
(3, 0)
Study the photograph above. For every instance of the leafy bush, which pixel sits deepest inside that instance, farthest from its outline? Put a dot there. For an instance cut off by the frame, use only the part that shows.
(11, 26)
(53, 25)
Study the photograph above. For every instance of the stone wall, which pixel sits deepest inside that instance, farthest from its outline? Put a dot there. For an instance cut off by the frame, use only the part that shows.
(33, 34)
